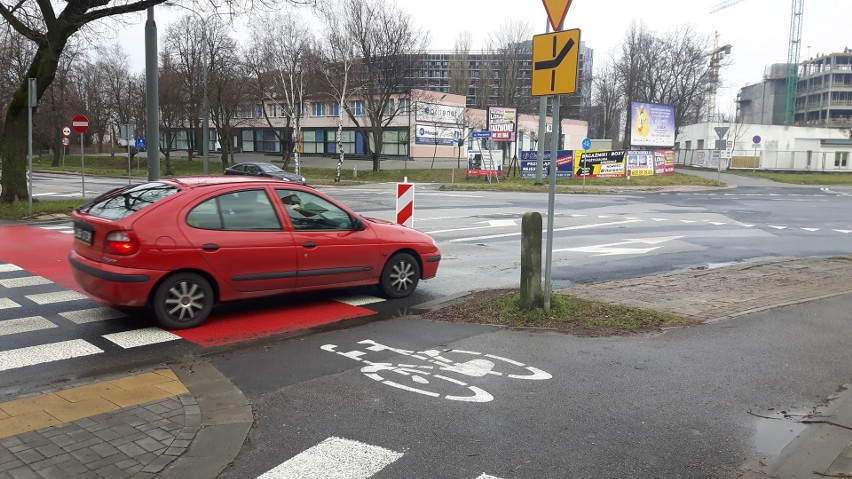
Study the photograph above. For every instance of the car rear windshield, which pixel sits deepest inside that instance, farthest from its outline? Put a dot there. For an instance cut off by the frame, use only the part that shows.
(123, 202)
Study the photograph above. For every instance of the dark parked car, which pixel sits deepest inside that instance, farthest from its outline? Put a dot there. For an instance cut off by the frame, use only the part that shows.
(181, 245)
(267, 170)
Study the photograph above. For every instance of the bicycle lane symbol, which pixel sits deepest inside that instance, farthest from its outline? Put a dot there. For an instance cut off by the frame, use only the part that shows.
(439, 367)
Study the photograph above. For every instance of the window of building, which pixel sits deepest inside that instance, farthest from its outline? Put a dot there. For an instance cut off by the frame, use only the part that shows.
(841, 159)
(248, 140)
(700, 145)
(319, 109)
(688, 144)
(395, 142)
(258, 110)
(334, 108)
(358, 107)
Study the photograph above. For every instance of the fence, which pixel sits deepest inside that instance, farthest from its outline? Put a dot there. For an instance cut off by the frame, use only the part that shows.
(824, 160)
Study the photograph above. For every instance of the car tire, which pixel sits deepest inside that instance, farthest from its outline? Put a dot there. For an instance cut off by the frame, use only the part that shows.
(183, 300)
(400, 276)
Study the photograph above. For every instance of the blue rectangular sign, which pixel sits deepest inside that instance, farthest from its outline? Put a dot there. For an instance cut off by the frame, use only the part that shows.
(564, 163)
(481, 134)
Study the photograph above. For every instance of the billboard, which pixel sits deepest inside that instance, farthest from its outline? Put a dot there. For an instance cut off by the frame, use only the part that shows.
(502, 123)
(436, 135)
(652, 125)
(485, 163)
(564, 163)
(640, 163)
(600, 164)
(434, 113)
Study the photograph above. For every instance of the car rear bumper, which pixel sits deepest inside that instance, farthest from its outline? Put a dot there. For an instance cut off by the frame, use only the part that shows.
(115, 285)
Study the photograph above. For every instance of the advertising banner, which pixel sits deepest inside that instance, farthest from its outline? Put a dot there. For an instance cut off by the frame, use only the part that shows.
(564, 163)
(433, 113)
(502, 123)
(485, 163)
(599, 164)
(640, 163)
(664, 162)
(436, 135)
(652, 125)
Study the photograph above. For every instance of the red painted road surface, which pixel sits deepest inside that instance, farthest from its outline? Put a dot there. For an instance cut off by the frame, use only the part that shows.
(45, 253)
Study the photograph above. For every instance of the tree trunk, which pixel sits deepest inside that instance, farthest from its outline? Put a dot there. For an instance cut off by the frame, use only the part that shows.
(13, 140)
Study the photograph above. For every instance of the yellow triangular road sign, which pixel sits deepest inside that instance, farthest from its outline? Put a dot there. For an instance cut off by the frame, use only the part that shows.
(556, 10)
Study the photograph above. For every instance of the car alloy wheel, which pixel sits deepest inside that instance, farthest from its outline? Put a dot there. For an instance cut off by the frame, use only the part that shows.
(183, 300)
(400, 276)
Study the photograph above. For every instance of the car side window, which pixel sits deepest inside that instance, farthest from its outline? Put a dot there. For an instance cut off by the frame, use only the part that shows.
(308, 211)
(248, 210)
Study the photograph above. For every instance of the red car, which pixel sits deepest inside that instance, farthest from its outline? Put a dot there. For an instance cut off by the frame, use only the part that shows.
(181, 245)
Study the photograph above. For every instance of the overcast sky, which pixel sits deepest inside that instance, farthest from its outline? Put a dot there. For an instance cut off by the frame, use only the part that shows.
(758, 30)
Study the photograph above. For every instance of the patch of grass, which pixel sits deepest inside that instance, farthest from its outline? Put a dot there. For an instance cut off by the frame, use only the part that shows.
(569, 314)
(799, 178)
(18, 210)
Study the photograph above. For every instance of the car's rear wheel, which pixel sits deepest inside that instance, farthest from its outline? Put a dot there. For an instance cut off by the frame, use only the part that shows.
(183, 300)
(400, 276)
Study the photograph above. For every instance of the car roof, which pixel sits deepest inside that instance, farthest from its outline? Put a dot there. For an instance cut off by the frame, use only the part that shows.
(255, 163)
(216, 180)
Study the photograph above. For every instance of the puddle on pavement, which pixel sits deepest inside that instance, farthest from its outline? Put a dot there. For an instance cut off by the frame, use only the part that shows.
(774, 432)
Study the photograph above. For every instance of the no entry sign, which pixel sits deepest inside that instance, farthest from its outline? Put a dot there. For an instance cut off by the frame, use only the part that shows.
(80, 124)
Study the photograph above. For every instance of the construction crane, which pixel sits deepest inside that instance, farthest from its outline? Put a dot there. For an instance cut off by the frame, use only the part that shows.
(793, 51)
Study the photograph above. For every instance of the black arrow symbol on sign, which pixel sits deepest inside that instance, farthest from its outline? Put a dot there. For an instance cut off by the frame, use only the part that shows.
(549, 64)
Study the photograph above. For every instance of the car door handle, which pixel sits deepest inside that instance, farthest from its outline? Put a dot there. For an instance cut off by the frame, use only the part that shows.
(309, 244)
(210, 247)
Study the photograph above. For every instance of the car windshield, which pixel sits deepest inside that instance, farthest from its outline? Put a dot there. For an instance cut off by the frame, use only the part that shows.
(123, 202)
(270, 168)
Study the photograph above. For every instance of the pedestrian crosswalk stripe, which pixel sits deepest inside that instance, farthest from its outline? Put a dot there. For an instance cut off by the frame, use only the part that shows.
(6, 303)
(45, 353)
(5, 268)
(26, 281)
(140, 337)
(57, 297)
(24, 325)
(335, 458)
(83, 316)
(360, 300)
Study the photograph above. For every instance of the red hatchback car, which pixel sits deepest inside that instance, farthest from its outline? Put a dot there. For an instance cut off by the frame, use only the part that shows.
(181, 245)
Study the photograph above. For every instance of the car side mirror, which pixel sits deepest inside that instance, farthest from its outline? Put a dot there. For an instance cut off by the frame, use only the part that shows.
(358, 223)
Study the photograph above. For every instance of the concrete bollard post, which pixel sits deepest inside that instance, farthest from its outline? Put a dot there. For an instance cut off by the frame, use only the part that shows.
(531, 295)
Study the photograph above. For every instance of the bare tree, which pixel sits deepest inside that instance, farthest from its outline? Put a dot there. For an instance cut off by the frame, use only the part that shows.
(386, 42)
(228, 85)
(511, 49)
(276, 56)
(608, 99)
(16, 53)
(184, 39)
(460, 65)
(172, 108)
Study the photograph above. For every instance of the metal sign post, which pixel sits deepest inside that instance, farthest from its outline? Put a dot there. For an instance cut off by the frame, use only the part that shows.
(32, 100)
(551, 194)
(80, 124)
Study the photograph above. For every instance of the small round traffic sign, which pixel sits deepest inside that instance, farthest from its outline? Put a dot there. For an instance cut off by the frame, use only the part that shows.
(756, 139)
(80, 124)
(66, 131)
(66, 141)
(587, 143)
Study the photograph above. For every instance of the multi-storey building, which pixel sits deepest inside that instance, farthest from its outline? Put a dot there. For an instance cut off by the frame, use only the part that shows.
(823, 97)
(483, 76)
(825, 91)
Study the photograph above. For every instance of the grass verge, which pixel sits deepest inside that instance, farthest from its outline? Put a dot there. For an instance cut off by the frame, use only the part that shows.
(568, 314)
(19, 210)
(799, 178)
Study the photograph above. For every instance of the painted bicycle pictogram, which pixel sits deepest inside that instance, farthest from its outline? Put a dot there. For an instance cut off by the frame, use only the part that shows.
(442, 370)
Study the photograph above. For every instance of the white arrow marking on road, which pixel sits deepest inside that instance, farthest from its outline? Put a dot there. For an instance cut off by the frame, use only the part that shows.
(658, 219)
(567, 228)
(716, 223)
(844, 231)
(745, 225)
(689, 221)
(498, 223)
(778, 227)
(811, 229)
(611, 249)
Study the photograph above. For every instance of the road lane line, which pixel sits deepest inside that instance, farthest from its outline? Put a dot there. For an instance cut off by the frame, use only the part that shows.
(24, 325)
(5, 268)
(6, 303)
(46, 353)
(335, 458)
(567, 228)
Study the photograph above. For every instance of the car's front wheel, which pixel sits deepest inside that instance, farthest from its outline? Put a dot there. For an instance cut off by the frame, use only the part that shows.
(183, 300)
(400, 276)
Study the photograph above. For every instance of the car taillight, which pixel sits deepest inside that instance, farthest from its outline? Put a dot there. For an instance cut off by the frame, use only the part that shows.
(121, 243)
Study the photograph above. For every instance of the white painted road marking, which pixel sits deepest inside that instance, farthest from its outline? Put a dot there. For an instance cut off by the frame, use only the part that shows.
(25, 281)
(92, 315)
(58, 297)
(46, 353)
(140, 337)
(6, 303)
(567, 228)
(24, 325)
(5, 268)
(335, 458)
(359, 300)
(612, 249)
